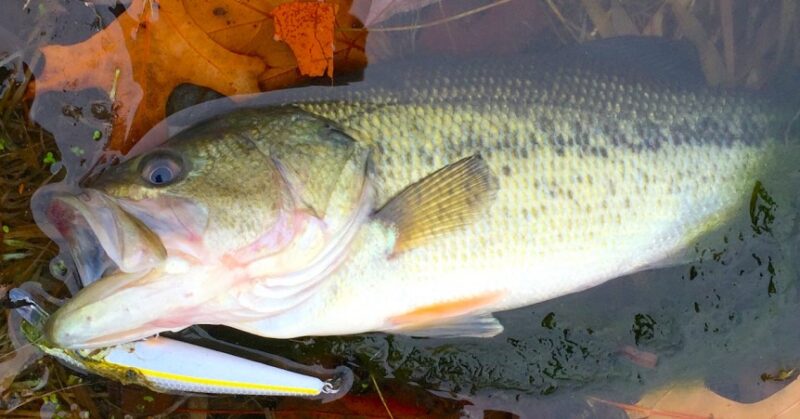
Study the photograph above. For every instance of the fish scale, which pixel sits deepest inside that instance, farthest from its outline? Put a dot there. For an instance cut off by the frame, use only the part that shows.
(598, 178)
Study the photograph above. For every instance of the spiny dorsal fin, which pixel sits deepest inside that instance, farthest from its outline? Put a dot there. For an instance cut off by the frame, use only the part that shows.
(446, 200)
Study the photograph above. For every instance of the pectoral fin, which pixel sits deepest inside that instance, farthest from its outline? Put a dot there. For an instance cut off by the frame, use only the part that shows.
(444, 201)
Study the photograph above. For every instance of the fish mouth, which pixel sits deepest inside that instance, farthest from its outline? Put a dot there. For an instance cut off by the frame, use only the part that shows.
(127, 306)
(100, 235)
(133, 288)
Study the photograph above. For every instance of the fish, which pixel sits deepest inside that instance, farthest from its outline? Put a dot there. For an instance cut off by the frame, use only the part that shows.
(171, 366)
(424, 202)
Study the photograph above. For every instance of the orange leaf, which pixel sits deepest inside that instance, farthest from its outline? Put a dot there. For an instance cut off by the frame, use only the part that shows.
(308, 29)
(141, 57)
(247, 27)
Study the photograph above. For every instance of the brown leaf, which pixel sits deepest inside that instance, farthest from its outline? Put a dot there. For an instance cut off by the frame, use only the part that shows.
(308, 29)
(247, 27)
(141, 57)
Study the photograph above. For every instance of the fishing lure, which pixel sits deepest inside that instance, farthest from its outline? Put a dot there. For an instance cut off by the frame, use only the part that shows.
(168, 366)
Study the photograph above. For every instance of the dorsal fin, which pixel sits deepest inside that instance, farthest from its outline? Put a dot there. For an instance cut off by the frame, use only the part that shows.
(446, 200)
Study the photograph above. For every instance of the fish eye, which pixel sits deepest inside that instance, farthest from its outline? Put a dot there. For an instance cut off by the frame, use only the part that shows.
(161, 168)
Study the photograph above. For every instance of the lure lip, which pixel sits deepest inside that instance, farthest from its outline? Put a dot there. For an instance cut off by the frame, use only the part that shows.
(26, 307)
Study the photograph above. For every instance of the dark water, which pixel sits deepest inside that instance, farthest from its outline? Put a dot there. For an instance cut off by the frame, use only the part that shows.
(729, 318)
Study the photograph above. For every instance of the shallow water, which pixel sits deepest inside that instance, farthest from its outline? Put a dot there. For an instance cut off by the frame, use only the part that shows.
(727, 318)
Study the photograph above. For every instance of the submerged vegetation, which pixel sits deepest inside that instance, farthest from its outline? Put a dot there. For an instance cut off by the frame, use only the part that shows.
(736, 292)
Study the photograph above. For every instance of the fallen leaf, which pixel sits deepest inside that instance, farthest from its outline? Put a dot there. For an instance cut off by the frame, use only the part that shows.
(308, 29)
(140, 57)
(225, 45)
(692, 400)
(247, 27)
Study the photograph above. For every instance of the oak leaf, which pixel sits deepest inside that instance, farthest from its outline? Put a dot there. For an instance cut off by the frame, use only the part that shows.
(139, 58)
(247, 27)
(308, 29)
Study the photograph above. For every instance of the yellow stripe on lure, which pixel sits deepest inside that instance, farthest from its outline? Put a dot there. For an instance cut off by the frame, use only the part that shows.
(167, 365)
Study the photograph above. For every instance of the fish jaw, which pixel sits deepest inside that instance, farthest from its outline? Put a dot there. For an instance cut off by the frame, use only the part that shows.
(124, 307)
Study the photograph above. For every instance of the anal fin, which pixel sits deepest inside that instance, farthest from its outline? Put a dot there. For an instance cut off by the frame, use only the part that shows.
(482, 326)
(451, 318)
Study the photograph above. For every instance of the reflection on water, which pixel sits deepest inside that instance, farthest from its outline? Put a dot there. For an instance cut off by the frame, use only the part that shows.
(729, 317)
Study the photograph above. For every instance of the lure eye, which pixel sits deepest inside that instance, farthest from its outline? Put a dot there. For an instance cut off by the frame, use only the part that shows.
(161, 168)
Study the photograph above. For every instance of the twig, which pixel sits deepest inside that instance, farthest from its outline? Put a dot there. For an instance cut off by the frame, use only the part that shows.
(567, 24)
(172, 408)
(647, 411)
(380, 395)
(789, 126)
(14, 351)
(429, 24)
(726, 17)
(41, 396)
(112, 94)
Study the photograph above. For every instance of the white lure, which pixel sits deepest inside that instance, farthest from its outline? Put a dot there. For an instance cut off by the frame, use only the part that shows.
(168, 365)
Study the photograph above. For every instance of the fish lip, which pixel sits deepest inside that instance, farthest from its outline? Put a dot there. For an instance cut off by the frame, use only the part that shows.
(72, 326)
(68, 340)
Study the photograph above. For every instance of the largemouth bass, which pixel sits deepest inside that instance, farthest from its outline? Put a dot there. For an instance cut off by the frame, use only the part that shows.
(418, 205)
